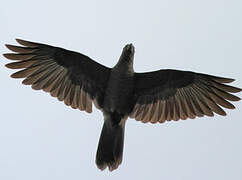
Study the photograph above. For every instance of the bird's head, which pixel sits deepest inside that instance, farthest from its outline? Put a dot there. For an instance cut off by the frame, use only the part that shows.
(128, 51)
(127, 57)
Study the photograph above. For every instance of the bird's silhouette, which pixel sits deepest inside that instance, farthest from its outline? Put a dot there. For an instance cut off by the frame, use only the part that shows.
(119, 92)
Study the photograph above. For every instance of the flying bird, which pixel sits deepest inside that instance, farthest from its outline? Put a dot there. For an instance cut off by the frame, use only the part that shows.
(119, 92)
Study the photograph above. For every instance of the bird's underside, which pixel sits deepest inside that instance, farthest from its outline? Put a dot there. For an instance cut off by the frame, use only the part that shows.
(119, 92)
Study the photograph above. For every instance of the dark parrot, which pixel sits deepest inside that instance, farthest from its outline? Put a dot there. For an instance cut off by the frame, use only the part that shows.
(119, 92)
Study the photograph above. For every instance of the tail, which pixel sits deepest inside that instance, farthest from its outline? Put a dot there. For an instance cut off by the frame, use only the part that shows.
(110, 147)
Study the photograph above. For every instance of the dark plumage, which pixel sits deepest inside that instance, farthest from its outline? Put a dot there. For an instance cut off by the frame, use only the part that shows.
(119, 92)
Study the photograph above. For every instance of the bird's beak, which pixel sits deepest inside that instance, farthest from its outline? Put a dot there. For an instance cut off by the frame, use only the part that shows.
(130, 47)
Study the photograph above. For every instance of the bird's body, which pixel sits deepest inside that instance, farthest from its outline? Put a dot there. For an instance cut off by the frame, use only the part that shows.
(121, 84)
(119, 92)
(117, 105)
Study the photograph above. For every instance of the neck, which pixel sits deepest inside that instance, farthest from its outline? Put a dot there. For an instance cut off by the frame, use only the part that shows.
(125, 63)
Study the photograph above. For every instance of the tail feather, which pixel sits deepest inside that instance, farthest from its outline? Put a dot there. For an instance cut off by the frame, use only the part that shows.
(110, 147)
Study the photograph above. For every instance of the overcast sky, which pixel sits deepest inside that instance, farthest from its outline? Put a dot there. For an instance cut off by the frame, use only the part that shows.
(41, 138)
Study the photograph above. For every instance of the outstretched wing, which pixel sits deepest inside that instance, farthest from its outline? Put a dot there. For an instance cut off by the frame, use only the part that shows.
(172, 95)
(70, 76)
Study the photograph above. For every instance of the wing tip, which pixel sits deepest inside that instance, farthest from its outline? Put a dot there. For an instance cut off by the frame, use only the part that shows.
(26, 43)
(220, 79)
(21, 41)
(239, 89)
(224, 79)
(237, 98)
(14, 75)
(9, 65)
(229, 80)
(5, 55)
(8, 46)
(222, 113)
(9, 56)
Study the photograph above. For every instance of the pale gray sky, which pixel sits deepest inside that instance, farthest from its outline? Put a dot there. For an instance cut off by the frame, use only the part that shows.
(41, 138)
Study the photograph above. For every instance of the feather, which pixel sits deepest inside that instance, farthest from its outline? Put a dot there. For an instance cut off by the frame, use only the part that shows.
(220, 79)
(134, 111)
(83, 99)
(187, 104)
(61, 93)
(27, 43)
(31, 69)
(181, 105)
(67, 87)
(157, 111)
(96, 104)
(162, 115)
(145, 113)
(53, 79)
(169, 110)
(221, 101)
(176, 113)
(20, 49)
(224, 87)
(26, 72)
(89, 104)
(197, 110)
(40, 83)
(201, 102)
(212, 105)
(13, 56)
(38, 76)
(76, 98)
(20, 64)
(57, 83)
(206, 88)
(225, 95)
(138, 116)
(154, 112)
(69, 96)
(55, 92)
(223, 80)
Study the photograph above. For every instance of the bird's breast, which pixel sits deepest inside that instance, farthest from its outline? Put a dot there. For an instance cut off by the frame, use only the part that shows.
(119, 93)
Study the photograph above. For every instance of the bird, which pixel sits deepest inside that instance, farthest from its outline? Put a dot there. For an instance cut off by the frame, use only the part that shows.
(119, 92)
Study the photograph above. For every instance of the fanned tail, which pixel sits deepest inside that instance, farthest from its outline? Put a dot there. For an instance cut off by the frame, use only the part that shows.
(110, 147)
